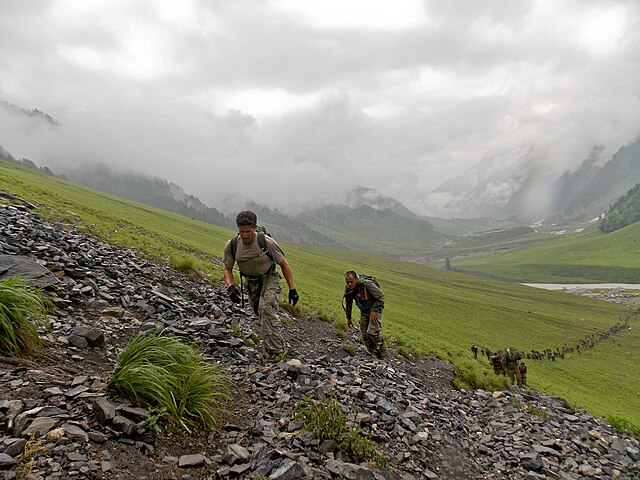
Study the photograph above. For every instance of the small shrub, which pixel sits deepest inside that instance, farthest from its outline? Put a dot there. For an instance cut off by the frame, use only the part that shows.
(328, 421)
(350, 348)
(531, 409)
(341, 329)
(255, 338)
(237, 332)
(155, 420)
(162, 372)
(27, 460)
(289, 308)
(188, 265)
(469, 375)
(257, 476)
(23, 308)
(624, 426)
(404, 349)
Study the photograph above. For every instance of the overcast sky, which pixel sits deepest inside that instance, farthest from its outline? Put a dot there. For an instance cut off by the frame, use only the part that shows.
(291, 101)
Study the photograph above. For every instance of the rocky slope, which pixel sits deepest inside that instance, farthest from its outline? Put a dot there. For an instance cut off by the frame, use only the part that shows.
(59, 420)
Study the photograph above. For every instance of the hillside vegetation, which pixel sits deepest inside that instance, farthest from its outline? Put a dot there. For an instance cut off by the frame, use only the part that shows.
(625, 211)
(588, 192)
(427, 309)
(586, 257)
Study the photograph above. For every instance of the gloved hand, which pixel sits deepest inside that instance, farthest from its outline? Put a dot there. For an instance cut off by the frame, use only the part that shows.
(234, 294)
(293, 297)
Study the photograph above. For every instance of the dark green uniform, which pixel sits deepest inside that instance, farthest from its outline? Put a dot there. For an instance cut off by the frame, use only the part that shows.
(369, 298)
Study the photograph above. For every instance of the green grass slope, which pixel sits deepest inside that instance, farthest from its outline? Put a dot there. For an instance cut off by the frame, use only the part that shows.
(590, 256)
(426, 308)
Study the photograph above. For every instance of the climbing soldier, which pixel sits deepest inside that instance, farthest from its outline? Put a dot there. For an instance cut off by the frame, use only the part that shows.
(522, 370)
(511, 358)
(370, 300)
(257, 255)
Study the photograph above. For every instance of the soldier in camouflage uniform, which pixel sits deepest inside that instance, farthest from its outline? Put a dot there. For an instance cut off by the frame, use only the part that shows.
(522, 370)
(370, 300)
(495, 360)
(511, 359)
(258, 266)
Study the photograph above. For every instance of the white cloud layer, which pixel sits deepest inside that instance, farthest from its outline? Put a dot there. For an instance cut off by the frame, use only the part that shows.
(292, 101)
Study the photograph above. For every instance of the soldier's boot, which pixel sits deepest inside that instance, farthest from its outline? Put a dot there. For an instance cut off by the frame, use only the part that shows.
(369, 342)
(380, 349)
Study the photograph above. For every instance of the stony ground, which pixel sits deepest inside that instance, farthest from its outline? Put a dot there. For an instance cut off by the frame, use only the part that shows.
(58, 418)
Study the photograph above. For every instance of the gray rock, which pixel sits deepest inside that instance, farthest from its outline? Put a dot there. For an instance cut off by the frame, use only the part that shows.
(6, 461)
(27, 268)
(194, 460)
(40, 426)
(236, 454)
(289, 471)
(105, 410)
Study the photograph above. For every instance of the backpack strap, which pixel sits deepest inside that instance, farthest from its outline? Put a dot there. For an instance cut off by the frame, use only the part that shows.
(233, 243)
(262, 242)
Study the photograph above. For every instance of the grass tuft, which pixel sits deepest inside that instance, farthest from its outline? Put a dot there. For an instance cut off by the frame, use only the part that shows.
(165, 373)
(469, 375)
(350, 348)
(624, 426)
(187, 265)
(341, 327)
(23, 308)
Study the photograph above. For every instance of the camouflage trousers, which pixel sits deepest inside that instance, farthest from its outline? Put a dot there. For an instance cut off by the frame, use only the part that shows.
(263, 295)
(372, 334)
(513, 375)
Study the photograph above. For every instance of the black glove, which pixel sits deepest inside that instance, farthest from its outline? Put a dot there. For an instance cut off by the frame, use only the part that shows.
(234, 294)
(293, 296)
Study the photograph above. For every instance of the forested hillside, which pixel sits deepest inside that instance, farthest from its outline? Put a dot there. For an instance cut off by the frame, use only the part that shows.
(587, 192)
(625, 211)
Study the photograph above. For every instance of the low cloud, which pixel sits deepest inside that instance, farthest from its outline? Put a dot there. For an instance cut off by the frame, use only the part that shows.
(264, 101)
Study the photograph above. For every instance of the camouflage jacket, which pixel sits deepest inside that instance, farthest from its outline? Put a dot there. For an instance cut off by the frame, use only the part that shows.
(368, 298)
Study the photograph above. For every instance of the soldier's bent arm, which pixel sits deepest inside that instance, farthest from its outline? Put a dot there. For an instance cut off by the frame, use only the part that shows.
(228, 276)
(349, 306)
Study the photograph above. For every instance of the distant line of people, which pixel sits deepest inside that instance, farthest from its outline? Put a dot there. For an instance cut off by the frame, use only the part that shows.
(584, 343)
(587, 342)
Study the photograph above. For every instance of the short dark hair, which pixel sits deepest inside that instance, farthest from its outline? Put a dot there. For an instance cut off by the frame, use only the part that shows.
(351, 273)
(246, 218)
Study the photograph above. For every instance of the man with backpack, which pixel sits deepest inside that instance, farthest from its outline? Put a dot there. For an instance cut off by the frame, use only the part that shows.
(365, 291)
(257, 254)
